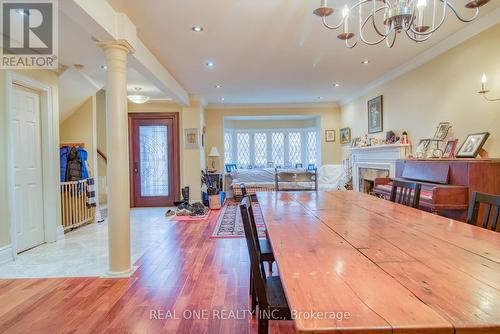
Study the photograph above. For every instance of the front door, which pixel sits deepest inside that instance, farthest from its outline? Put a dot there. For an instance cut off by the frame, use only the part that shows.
(28, 185)
(154, 154)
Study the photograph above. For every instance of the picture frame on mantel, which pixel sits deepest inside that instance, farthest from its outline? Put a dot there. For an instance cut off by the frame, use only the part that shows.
(376, 114)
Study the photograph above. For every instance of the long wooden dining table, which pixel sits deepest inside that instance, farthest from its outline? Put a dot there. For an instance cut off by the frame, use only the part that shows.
(353, 263)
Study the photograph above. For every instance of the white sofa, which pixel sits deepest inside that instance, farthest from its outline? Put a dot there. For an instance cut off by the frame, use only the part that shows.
(330, 177)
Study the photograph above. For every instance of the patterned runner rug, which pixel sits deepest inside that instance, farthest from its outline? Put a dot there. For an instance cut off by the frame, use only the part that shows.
(230, 225)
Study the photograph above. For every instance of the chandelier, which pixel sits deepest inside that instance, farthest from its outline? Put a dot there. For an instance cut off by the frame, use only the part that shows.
(416, 18)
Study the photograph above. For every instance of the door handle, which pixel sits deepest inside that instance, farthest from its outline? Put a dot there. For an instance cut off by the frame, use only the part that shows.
(136, 167)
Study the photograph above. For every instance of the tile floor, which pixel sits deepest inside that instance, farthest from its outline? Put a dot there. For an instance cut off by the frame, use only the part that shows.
(84, 251)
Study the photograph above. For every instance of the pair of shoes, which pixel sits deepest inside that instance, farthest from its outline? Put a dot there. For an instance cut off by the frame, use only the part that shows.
(169, 213)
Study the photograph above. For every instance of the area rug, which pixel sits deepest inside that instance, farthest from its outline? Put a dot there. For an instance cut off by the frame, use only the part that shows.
(230, 225)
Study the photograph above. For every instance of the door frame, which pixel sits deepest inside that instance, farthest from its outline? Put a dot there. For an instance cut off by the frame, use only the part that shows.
(176, 170)
(49, 126)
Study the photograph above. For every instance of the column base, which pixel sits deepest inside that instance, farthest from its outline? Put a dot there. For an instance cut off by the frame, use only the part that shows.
(120, 274)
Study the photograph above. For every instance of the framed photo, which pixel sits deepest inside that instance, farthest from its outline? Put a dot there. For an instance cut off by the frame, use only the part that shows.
(192, 138)
(329, 135)
(345, 135)
(472, 145)
(375, 114)
(449, 149)
(422, 147)
(442, 130)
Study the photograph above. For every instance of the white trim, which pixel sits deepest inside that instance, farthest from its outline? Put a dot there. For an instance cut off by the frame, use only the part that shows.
(469, 31)
(50, 158)
(329, 105)
(6, 254)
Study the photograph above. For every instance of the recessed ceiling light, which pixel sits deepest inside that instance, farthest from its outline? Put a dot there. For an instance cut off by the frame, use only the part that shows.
(104, 67)
(210, 64)
(320, 97)
(222, 99)
(336, 84)
(197, 28)
(218, 86)
(365, 62)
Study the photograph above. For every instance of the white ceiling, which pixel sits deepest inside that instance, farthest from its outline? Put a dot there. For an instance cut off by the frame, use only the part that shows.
(266, 51)
(77, 47)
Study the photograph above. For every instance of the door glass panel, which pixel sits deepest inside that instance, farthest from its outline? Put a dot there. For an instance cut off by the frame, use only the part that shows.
(154, 160)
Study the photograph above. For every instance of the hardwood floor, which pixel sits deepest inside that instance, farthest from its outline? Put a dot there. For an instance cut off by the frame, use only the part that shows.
(174, 283)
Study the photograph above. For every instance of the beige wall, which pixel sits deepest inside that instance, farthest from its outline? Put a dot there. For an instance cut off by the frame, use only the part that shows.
(329, 120)
(48, 78)
(444, 89)
(79, 128)
(270, 124)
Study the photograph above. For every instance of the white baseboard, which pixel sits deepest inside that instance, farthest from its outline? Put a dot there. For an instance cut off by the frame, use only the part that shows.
(6, 254)
(60, 232)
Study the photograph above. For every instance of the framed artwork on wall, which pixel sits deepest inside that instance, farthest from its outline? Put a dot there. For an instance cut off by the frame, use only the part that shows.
(472, 145)
(345, 135)
(329, 136)
(191, 138)
(375, 114)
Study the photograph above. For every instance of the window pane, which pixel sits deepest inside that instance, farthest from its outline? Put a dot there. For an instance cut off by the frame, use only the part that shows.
(278, 142)
(260, 140)
(312, 148)
(243, 142)
(295, 147)
(228, 148)
(153, 145)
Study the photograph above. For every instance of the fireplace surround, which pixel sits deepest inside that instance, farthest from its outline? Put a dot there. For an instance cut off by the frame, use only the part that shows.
(372, 162)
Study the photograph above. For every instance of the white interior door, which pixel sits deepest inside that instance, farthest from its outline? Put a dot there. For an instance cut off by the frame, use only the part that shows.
(28, 186)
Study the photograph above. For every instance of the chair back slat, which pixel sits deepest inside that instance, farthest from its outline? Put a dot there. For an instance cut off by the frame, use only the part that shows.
(406, 193)
(258, 271)
(490, 203)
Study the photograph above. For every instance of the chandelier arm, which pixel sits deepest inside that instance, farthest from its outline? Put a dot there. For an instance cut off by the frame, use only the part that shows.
(393, 40)
(457, 14)
(351, 46)
(489, 99)
(334, 27)
(373, 18)
(366, 41)
(434, 29)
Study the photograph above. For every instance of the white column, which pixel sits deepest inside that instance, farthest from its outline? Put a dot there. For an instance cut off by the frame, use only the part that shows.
(118, 158)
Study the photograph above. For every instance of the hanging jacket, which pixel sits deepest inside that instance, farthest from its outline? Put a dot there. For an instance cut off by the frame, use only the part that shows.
(74, 166)
(83, 161)
(63, 156)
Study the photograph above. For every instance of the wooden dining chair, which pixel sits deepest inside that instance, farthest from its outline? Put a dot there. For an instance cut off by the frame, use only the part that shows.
(406, 193)
(263, 246)
(268, 290)
(491, 203)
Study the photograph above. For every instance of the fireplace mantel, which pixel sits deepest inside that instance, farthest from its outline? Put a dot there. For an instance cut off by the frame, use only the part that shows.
(377, 157)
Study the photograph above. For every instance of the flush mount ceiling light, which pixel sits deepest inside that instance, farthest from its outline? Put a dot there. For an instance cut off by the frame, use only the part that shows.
(365, 62)
(138, 97)
(418, 19)
(197, 28)
(210, 64)
(218, 86)
(336, 84)
(222, 99)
